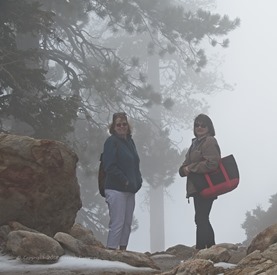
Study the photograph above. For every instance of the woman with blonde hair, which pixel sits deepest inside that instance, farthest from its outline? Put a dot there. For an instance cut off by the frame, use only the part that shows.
(123, 180)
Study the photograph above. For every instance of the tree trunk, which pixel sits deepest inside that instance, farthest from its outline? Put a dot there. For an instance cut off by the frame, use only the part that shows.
(157, 234)
(157, 238)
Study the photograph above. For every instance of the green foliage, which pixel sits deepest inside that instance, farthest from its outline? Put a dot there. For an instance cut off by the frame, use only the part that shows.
(14, 72)
(170, 21)
(29, 17)
(85, 64)
(50, 116)
(78, 64)
(258, 219)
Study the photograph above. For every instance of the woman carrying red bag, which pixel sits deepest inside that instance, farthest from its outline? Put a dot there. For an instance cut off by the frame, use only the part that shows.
(202, 157)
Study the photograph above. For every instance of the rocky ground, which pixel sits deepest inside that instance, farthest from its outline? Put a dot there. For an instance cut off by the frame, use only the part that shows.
(260, 257)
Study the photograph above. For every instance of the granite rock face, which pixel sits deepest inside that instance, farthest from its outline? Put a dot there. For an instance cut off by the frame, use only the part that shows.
(38, 184)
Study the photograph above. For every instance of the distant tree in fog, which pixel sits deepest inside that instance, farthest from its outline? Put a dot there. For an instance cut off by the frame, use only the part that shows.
(258, 219)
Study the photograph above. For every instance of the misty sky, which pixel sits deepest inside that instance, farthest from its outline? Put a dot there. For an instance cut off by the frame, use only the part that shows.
(244, 120)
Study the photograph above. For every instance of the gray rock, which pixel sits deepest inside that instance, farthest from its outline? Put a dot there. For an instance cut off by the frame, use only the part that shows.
(264, 239)
(34, 247)
(38, 186)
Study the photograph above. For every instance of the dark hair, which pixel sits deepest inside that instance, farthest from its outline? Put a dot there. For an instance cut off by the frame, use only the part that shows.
(121, 115)
(202, 118)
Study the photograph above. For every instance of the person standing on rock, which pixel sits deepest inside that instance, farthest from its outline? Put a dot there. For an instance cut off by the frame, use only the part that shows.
(203, 156)
(123, 180)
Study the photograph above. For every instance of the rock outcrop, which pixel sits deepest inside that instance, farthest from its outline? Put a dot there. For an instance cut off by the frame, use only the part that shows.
(38, 184)
(229, 259)
(34, 247)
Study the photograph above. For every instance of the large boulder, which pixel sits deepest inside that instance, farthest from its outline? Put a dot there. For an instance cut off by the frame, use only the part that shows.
(38, 184)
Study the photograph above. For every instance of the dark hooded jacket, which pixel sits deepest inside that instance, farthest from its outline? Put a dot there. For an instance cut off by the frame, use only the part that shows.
(121, 164)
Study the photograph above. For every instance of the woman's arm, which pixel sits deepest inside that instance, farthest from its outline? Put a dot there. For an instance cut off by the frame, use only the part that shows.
(210, 157)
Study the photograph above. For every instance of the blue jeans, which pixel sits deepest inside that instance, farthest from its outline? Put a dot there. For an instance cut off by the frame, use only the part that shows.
(121, 208)
(204, 230)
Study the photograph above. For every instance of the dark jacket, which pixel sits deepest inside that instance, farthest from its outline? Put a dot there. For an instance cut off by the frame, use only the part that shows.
(121, 164)
(203, 156)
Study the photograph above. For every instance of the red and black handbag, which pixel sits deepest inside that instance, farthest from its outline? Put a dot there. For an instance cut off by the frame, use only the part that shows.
(218, 182)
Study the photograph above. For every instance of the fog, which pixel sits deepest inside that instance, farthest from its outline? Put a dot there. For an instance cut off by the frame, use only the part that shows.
(244, 121)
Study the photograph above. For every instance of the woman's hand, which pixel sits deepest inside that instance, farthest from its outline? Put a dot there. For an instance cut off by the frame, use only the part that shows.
(185, 170)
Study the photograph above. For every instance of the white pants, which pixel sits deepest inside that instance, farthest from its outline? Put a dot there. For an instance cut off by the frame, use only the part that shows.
(121, 208)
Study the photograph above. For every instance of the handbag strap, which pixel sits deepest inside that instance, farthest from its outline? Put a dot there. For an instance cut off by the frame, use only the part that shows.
(224, 172)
